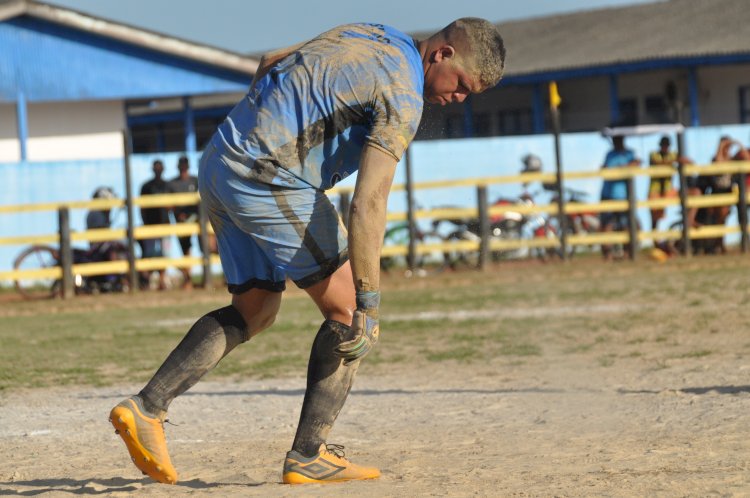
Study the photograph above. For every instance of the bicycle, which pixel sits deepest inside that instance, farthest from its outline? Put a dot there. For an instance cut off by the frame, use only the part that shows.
(582, 223)
(398, 235)
(43, 256)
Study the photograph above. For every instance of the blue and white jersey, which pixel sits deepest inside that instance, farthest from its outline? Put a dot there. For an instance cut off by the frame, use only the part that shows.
(617, 189)
(306, 122)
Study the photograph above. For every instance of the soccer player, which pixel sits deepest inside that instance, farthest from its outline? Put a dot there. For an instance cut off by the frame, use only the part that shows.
(350, 99)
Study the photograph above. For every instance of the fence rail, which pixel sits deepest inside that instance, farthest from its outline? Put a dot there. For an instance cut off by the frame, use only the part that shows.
(482, 212)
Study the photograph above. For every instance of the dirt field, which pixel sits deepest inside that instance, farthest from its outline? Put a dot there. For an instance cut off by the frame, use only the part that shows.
(587, 379)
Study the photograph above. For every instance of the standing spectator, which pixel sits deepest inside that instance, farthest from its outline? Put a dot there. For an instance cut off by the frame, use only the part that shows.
(618, 157)
(722, 184)
(183, 183)
(154, 248)
(660, 188)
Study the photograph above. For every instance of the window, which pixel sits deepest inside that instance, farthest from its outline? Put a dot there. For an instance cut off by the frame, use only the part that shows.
(628, 109)
(165, 132)
(482, 124)
(454, 126)
(745, 104)
(515, 122)
(656, 109)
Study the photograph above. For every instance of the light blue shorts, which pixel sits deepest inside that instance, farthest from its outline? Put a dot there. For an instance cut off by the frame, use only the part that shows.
(267, 233)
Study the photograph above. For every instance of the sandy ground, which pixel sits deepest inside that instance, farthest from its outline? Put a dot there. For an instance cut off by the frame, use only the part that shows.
(547, 427)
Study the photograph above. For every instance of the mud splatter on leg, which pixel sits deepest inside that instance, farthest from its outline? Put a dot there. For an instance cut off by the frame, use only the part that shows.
(328, 384)
(211, 338)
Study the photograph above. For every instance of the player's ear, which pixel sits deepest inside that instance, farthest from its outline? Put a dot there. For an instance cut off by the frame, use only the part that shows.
(443, 52)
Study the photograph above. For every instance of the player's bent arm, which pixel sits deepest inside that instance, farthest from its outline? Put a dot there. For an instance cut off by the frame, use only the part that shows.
(366, 229)
(367, 216)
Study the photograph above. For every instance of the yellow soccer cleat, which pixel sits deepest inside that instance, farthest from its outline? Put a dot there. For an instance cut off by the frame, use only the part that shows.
(144, 437)
(329, 465)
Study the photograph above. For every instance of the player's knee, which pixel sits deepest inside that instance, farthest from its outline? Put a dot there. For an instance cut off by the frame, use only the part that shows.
(260, 322)
(258, 309)
(340, 312)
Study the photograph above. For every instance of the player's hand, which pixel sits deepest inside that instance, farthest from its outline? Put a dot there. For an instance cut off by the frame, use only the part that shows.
(365, 328)
(364, 331)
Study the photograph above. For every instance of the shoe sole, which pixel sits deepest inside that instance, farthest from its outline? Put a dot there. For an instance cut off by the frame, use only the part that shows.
(295, 478)
(123, 420)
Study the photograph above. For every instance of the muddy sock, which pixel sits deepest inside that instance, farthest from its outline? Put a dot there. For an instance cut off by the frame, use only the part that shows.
(210, 339)
(328, 385)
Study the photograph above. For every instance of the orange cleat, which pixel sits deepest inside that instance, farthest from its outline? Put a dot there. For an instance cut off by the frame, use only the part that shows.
(144, 437)
(329, 465)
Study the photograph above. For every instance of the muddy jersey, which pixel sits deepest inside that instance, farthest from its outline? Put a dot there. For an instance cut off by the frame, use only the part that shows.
(306, 122)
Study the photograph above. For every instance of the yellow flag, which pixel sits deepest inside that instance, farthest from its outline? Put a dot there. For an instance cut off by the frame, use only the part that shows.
(554, 97)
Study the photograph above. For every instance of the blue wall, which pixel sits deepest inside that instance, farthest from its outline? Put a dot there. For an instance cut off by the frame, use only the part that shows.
(50, 62)
(434, 160)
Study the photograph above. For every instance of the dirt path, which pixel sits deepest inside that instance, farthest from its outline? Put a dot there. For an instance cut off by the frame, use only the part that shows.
(629, 380)
(546, 427)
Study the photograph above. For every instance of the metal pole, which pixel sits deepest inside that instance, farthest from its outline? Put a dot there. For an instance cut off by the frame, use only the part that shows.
(66, 253)
(22, 122)
(205, 249)
(484, 225)
(562, 220)
(128, 150)
(632, 219)
(687, 250)
(411, 257)
(742, 211)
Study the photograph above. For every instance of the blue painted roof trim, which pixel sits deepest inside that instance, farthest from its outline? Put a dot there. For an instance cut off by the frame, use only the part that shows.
(649, 65)
(163, 117)
(51, 62)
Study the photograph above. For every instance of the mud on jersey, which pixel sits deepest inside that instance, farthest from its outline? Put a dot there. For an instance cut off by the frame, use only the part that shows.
(306, 121)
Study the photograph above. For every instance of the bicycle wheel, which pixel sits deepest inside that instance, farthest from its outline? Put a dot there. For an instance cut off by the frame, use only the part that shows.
(35, 258)
(397, 235)
(456, 258)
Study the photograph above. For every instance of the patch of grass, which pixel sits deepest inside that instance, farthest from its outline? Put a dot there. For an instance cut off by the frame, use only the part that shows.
(636, 340)
(696, 354)
(521, 349)
(580, 348)
(606, 361)
(553, 309)
(457, 354)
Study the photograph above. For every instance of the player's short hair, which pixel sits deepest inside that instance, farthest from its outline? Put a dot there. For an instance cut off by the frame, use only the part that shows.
(480, 48)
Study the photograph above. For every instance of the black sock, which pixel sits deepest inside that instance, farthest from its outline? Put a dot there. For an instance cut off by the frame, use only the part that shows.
(210, 339)
(328, 384)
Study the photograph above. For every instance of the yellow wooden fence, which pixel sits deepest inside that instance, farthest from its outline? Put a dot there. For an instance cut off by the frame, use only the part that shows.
(184, 229)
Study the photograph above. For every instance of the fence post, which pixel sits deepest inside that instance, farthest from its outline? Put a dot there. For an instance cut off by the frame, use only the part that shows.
(686, 244)
(205, 249)
(66, 253)
(554, 100)
(128, 150)
(344, 206)
(411, 257)
(632, 219)
(484, 225)
(742, 211)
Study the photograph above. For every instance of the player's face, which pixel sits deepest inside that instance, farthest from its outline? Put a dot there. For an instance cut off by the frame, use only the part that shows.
(447, 82)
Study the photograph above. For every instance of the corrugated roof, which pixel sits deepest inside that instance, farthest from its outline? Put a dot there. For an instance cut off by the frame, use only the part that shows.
(646, 32)
(133, 35)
